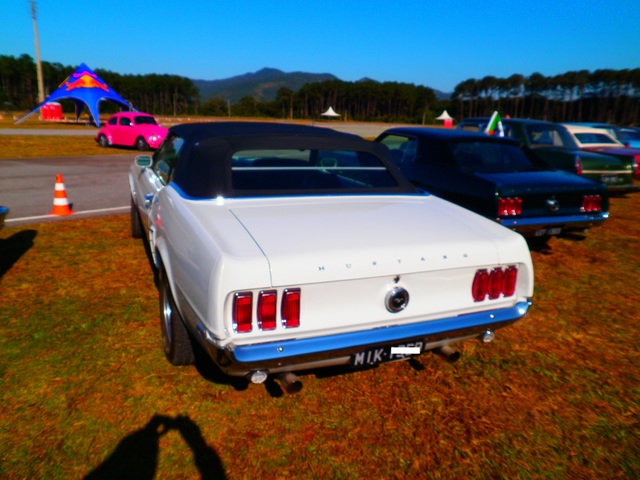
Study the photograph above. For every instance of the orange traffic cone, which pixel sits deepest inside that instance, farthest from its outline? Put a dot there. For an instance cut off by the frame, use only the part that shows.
(60, 203)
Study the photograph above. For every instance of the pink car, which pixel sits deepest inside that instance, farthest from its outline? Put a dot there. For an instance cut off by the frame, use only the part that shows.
(131, 129)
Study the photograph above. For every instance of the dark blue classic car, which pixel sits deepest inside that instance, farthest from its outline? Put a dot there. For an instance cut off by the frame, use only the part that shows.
(497, 178)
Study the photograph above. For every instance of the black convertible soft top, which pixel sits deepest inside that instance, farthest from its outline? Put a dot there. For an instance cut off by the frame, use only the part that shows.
(204, 166)
(200, 131)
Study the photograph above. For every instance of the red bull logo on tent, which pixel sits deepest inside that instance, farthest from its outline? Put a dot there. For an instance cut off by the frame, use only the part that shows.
(85, 79)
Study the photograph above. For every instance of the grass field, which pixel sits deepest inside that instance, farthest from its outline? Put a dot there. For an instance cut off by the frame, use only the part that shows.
(36, 146)
(86, 391)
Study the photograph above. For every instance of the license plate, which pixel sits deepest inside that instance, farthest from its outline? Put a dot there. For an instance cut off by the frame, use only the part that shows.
(610, 178)
(541, 232)
(377, 355)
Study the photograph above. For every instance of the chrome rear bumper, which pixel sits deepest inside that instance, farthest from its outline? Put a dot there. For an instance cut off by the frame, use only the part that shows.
(332, 350)
(528, 226)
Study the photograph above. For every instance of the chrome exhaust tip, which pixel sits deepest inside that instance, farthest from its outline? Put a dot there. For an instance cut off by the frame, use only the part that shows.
(258, 376)
(290, 382)
(487, 336)
(448, 353)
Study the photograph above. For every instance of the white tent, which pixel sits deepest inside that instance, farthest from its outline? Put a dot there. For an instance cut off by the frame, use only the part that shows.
(445, 116)
(330, 113)
(448, 119)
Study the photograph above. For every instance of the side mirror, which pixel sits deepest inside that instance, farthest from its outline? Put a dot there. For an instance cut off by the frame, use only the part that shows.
(143, 161)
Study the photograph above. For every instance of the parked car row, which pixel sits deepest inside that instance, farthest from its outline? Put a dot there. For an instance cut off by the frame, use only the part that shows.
(499, 179)
(555, 144)
(285, 248)
(599, 140)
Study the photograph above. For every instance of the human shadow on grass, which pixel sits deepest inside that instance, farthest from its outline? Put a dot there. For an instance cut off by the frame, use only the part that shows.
(14, 247)
(136, 455)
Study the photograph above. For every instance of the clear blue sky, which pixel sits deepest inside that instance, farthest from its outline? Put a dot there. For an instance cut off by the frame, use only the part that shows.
(433, 43)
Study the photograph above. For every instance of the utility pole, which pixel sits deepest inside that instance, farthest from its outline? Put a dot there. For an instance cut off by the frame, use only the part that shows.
(38, 62)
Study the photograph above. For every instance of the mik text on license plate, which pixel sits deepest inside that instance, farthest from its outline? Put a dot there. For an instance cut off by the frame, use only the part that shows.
(377, 355)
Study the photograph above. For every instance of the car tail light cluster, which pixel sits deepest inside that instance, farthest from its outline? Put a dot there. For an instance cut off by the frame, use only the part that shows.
(493, 283)
(636, 165)
(578, 166)
(592, 203)
(266, 311)
(509, 206)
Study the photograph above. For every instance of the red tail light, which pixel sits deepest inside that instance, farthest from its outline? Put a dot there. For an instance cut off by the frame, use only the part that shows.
(267, 301)
(290, 309)
(242, 312)
(495, 283)
(509, 281)
(636, 165)
(592, 203)
(509, 206)
(480, 284)
(578, 165)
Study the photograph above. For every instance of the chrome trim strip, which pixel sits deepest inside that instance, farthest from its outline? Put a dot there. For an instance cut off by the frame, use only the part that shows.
(607, 172)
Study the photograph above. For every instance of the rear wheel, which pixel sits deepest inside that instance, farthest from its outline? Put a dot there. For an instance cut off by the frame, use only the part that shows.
(103, 142)
(141, 144)
(178, 345)
(136, 223)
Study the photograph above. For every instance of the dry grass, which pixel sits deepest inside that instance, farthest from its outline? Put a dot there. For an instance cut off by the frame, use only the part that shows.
(38, 146)
(31, 146)
(85, 387)
(42, 146)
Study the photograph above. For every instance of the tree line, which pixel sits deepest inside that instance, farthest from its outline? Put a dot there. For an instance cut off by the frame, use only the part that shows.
(365, 101)
(603, 95)
(157, 94)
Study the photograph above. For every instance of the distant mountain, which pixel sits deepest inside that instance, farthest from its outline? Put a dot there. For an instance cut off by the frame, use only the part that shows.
(439, 94)
(264, 85)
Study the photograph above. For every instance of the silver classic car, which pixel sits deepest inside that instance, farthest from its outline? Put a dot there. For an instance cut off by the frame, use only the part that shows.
(282, 248)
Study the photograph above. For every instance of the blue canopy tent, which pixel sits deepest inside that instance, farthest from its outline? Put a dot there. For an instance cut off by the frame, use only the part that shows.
(84, 87)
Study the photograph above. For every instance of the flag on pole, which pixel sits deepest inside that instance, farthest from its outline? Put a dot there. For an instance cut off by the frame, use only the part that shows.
(494, 127)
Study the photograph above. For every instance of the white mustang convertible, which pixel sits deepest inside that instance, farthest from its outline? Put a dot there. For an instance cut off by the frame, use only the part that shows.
(282, 248)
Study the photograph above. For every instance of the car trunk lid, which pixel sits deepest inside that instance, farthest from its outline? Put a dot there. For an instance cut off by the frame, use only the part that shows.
(310, 240)
(545, 193)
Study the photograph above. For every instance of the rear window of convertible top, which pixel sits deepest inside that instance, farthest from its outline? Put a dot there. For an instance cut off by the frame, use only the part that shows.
(290, 170)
